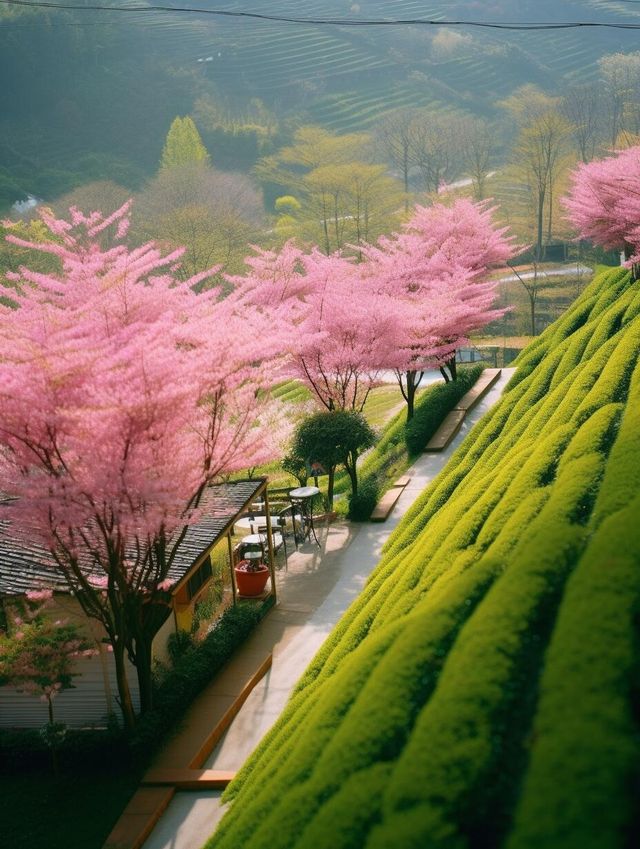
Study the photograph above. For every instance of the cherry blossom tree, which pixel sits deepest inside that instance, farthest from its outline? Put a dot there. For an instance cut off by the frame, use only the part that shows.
(37, 656)
(436, 273)
(603, 203)
(346, 328)
(123, 395)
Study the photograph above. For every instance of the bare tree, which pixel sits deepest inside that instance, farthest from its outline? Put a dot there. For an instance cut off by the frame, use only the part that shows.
(583, 108)
(539, 152)
(621, 75)
(436, 148)
(396, 138)
(477, 146)
(531, 283)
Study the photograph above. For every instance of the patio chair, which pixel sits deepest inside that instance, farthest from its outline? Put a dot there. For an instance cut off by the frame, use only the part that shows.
(279, 537)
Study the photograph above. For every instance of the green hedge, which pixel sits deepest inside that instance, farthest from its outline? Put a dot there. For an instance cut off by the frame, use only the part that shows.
(179, 685)
(434, 406)
(482, 689)
(401, 442)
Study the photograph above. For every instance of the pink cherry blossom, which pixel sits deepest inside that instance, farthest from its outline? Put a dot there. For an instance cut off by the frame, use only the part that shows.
(603, 203)
(123, 394)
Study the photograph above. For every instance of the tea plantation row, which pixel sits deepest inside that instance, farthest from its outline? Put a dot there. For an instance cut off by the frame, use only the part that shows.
(483, 689)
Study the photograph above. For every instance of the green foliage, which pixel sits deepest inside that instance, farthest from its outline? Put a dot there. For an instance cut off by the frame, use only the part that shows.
(37, 654)
(481, 689)
(431, 411)
(332, 439)
(296, 466)
(183, 145)
(193, 669)
(362, 503)
(178, 644)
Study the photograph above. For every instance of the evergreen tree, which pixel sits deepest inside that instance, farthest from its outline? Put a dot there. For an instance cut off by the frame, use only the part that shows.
(183, 145)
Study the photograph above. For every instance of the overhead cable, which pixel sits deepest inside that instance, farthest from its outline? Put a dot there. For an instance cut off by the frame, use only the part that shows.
(310, 21)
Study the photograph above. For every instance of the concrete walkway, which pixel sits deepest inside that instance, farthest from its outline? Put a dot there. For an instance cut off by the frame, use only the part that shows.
(314, 592)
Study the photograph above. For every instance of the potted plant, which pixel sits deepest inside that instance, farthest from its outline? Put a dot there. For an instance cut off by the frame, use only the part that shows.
(251, 574)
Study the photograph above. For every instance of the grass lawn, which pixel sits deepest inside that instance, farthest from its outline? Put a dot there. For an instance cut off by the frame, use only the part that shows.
(75, 812)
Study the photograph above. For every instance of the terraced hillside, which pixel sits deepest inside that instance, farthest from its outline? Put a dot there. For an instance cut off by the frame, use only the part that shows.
(483, 690)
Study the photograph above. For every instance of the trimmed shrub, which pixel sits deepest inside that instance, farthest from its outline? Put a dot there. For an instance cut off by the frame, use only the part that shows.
(362, 504)
(433, 407)
(194, 668)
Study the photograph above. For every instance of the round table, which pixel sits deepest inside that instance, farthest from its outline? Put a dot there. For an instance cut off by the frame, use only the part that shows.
(253, 539)
(257, 521)
(302, 498)
(304, 492)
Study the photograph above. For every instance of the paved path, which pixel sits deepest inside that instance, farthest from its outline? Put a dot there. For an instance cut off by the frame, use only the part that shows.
(313, 594)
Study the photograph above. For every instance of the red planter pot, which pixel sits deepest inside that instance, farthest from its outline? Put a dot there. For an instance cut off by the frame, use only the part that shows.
(251, 583)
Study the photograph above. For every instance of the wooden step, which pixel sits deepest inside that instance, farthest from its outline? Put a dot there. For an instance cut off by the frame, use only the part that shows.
(446, 432)
(483, 384)
(403, 481)
(386, 504)
(189, 779)
(139, 817)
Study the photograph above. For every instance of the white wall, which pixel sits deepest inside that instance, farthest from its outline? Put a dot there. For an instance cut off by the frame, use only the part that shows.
(94, 694)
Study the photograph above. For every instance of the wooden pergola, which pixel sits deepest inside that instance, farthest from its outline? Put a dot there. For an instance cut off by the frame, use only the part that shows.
(222, 506)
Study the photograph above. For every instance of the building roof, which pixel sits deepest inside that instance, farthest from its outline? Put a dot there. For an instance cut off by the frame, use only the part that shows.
(26, 566)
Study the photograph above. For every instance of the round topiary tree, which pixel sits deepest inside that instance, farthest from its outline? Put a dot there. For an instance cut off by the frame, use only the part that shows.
(335, 438)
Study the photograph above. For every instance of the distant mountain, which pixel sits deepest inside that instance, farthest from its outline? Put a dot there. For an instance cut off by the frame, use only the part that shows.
(90, 95)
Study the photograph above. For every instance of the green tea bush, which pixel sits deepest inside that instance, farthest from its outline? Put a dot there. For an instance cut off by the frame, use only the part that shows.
(481, 691)
(584, 690)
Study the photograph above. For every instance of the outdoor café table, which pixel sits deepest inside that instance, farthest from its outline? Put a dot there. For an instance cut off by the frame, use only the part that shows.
(255, 521)
(253, 540)
(302, 499)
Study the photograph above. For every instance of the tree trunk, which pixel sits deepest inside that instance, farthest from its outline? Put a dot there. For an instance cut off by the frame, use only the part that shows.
(332, 472)
(453, 367)
(126, 705)
(635, 268)
(445, 374)
(540, 226)
(350, 466)
(532, 304)
(411, 394)
(143, 669)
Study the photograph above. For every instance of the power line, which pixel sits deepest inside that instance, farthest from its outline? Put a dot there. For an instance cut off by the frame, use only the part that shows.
(343, 22)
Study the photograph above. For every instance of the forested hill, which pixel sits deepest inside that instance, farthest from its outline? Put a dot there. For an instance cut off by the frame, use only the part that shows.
(482, 691)
(90, 95)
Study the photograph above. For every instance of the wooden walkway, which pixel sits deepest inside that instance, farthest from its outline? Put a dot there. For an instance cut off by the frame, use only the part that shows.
(442, 438)
(388, 501)
(454, 420)
(179, 765)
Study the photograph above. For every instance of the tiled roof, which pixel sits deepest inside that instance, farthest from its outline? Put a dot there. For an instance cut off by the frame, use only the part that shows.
(29, 566)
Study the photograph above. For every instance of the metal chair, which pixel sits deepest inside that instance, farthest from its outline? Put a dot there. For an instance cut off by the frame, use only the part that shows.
(278, 538)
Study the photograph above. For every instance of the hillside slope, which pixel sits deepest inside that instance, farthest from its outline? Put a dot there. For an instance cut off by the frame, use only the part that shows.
(483, 690)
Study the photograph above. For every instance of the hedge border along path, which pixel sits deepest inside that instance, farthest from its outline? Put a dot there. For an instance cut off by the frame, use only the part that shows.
(480, 690)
